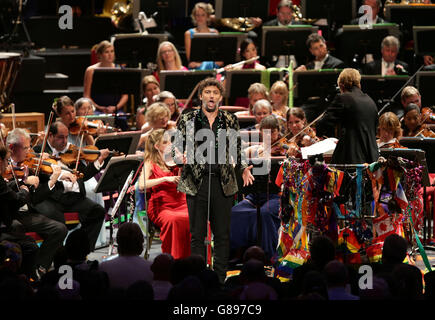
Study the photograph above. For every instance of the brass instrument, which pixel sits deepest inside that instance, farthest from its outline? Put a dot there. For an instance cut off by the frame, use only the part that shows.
(238, 24)
(403, 2)
(122, 14)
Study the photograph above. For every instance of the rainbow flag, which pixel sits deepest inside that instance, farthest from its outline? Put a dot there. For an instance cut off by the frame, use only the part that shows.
(374, 252)
(351, 241)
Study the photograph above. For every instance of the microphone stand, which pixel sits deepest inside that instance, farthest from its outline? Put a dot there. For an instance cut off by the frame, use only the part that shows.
(398, 92)
(207, 242)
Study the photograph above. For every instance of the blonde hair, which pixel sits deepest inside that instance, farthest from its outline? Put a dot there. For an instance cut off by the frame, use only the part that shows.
(157, 110)
(207, 7)
(161, 63)
(281, 88)
(258, 88)
(349, 78)
(390, 122)
(151, 154)
(149, 79)
(409, 91)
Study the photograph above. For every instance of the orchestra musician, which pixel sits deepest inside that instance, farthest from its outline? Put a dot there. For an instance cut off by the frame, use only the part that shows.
(52, 231)
(243, 214)
(413, 125)
(150, 87)
(256, 91)
(389, 131)
(296, 122)
(262, 108)
(69, 193)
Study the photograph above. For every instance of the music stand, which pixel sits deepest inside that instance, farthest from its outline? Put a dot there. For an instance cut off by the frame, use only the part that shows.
(238, 81)
(425, 81)
(285, 41)
(315, 84)
(379, 87)
(261, 185)
(181, 83)
(241, 8)
(119, 81)
(125, 142)
(355, 40)
(135, 49)
(214, 47)
(423, 40)
(408, 16)
(114, 178)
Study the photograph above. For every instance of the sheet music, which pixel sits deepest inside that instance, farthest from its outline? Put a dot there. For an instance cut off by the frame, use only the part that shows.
(324, 146)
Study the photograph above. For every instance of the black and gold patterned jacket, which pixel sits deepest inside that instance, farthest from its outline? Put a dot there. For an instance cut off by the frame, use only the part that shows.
(230, 162)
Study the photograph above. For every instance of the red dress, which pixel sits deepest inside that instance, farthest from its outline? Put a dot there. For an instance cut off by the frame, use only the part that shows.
(167, 209)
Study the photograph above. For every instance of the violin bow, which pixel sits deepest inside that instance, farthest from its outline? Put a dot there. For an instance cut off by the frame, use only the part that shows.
(9, 161)
(301, 131)
(44, 142)
(80, 151)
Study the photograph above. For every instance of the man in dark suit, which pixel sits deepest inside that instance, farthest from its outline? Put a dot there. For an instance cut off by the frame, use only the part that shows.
(284, 18)
(69, 194)
(322, 59)
(357, 115)
(388, 65)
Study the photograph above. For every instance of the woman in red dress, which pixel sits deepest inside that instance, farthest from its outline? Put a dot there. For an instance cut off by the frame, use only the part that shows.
(167, 208)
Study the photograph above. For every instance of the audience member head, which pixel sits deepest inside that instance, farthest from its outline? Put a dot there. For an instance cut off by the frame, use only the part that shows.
(314, 283)
(317, 46)
(77, 245)
(158, 115)
(389, 127)
(279, 94)
(18, 142)
(254, 252)
(140, 290)
(336, 274)
(394, 249)
(201, 13)
(196, 264)
(296, 120)
(409, 282)
(252, 271)
(168, 56)
(189, 289)
(322, 250)
(150, 87)
(429, 285)
(58, 135)
(379, 291)
(409, 95)
(169, 99)
(390, 48)
(257, 91)
(348, 79)
(162, 266)
(65, 109)
(284, 12)
(130, 239)
(84, 107)
(262, 108)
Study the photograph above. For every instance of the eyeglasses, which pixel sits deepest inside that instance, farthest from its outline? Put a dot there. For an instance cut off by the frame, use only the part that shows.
(167, 51)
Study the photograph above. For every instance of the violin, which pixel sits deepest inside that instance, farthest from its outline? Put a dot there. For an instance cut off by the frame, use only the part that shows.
(32, 161)
(427, 115)
(90, 126)
(16, 172)
(88, 153)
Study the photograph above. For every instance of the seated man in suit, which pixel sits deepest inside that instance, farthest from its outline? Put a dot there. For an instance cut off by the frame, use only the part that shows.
(322, 59)
(284, 18)
(69, 194)
(388, 65)
(376, 6)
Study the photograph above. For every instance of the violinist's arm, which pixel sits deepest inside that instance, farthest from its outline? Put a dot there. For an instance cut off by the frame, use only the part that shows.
(89, 140)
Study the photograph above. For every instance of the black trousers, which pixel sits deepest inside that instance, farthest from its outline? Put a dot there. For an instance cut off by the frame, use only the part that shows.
(53, 232)
(91, 214)
(220, 215)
